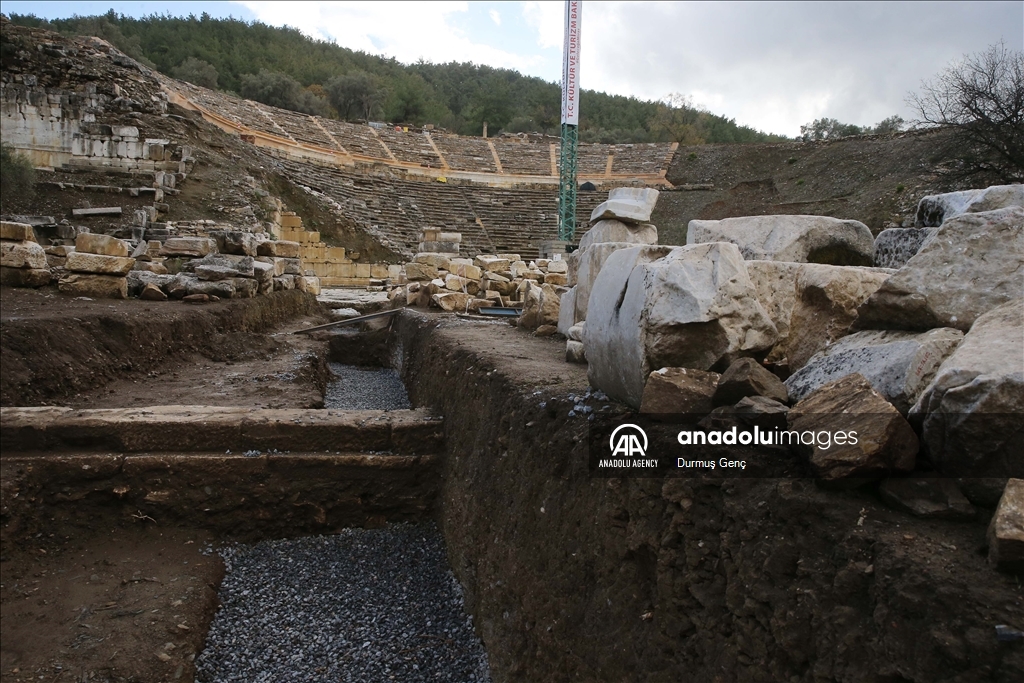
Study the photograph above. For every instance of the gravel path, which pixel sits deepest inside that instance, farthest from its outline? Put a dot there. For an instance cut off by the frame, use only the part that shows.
(367, 605)
(365, 389)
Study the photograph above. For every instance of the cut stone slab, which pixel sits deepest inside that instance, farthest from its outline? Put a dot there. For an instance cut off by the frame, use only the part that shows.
(222, 267)
(94, 286)
(104, 245)
(451, 301)
(466, 270)
(895, 246)
(974, 263)
(679, 390)
(81, 262)
(795, 239)
(567, 312)
(1006, 530)
(438, 261)
(559, 266)
(420, 271)
(655, 307)
(970, 413)
(493, 264)
(589, 265)
(236, 242)
(188, 246)
(616, 231)
(630, 204)
(97, 211)
(279, 248)
(22, 254)
(899, 365)
(541, 304)
(10, 230)
(24, 277)
(885, 441)
(746, 377)
(928, 497)
(934, 209)
(151, 267)
(556, 279)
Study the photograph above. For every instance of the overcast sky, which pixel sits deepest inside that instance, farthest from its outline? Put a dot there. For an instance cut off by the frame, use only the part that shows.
(770, 65)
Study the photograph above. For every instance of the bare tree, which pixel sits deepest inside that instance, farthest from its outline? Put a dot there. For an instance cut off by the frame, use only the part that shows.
(981, 99)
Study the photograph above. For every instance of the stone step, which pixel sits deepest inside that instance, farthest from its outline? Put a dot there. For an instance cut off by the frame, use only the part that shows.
(236, 494)
(219, 429)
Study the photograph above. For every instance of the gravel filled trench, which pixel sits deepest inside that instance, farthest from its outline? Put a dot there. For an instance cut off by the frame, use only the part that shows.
(353, 388)
(365, 605)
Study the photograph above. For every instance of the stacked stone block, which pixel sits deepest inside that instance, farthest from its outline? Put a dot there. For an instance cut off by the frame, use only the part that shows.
(22, 260)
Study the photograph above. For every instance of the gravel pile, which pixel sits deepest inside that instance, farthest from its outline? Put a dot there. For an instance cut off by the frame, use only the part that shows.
(365, 389)
(366, 605)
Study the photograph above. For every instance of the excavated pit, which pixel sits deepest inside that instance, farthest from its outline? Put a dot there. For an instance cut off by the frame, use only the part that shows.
(566, 577)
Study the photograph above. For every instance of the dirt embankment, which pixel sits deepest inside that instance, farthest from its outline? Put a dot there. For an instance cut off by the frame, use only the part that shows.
(574, 578)
(56, 347)
(875, 180)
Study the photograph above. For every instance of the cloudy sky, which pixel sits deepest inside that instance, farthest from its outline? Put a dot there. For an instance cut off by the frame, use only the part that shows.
(770, 65)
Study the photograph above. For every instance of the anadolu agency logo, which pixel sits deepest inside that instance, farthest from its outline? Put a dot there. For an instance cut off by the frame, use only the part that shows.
(627, 446)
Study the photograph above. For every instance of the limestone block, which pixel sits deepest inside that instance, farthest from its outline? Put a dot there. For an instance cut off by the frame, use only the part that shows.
(440, 247)
(188, 246)
(313, 285)
(974, 263)
(466, 270)
(895, 246)
(655, 307)
(575, 352)
(556, 279)
(263, 272)
(224, 289)
(679, 390)
(104, 245)
(138, 279)
(284, 282)
(379, 271)
(540, 306)
(279, 248)
(221, 267)
(21, 254)
(617, 231)
(746, 377)
(970, 412)
(509, 257)
(576, 332)
(794, 239)
(17, 231)
(236, 242)
(293, 266)
(461, 284)
(433, 259)
(24, 277)
(81, 262)
(449, 237)
(451, 301)
(629, 204)
(362, 270)
(899, 365)
(94, 286)
(885, 442)
(567, 312)
(590, 262)
(151, 292)
(492, 264)
(1006, 530)
(934, 209)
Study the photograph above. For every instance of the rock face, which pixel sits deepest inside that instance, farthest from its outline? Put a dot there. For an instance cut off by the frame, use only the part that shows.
(611, 230)
(934, 209)
(930, 497)
(895, 246)
(899, 365)
(21, 254)
(971, 412)
(104, 245)
(1006, 531)
(797, 239)
(746, 377)
(811, 304)
(974, 263)
(679, 390)
(629, 204)
(655, 307)
(884, 440)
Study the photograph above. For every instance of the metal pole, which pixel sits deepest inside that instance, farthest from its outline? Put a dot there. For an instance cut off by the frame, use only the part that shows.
(570, 121)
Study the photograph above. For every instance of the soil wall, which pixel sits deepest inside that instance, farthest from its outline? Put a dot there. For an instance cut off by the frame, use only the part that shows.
(574, 578)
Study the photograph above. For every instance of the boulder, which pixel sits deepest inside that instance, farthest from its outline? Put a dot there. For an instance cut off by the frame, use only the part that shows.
(617, 231)
(546, 331)
(574, 352)
(746, 377)
(630, 204)
(795, 239)
(138, 279)
(559, 266)
(189, 246)
(81, 262)
(970, 412)
(899, 365)
(151, 292)
(179, 285)
(935, 209)
(104, 245)
(882, 441)
(279, 249)
(94, 286)
(224, 289)
(811, 304)
(452, 302)
(22, 254)
(236, 242)
(684, 391)
(24, 277)
(764, 412)
(21, 232)
(655, 307)
(576, 332)
(224, 267)
(420, 271)
(541, 305)
(928, 497)
(895, 246)
(1006, 530)
(974, 263)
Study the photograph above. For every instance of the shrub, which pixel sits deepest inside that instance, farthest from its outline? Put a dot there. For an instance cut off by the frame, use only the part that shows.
(17, 177)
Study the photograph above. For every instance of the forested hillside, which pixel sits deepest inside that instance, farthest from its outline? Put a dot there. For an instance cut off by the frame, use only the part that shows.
(282, 67)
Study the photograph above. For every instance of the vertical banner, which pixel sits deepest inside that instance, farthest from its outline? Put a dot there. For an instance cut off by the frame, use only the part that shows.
(571, 63)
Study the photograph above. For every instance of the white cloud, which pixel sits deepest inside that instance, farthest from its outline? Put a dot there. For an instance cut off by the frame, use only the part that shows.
(547, 19)
(495, 17)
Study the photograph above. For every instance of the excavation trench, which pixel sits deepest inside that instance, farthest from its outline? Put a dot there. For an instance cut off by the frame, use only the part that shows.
(565, 577)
